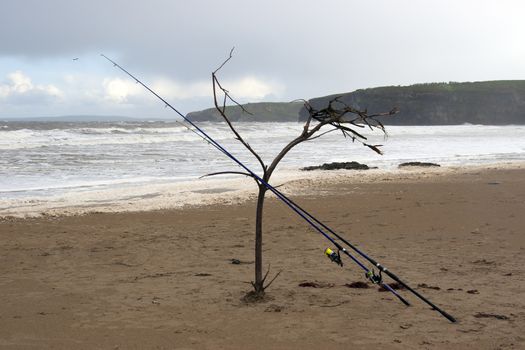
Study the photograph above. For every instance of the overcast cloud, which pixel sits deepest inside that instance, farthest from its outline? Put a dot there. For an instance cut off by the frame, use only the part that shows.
(284, 50)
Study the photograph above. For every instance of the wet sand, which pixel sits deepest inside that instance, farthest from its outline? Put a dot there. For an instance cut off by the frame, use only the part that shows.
(164, 279)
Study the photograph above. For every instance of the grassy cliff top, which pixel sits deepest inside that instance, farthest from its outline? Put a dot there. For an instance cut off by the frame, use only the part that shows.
(485, 102)
(260, 112)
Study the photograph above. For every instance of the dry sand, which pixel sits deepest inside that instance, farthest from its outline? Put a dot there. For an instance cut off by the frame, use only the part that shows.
(164, 279)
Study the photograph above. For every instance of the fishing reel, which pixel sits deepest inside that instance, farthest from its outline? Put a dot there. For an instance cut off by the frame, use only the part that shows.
(375, 279)
(333, 256)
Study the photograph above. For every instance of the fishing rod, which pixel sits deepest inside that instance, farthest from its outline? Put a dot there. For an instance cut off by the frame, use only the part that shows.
(335, 257)
(315, 223)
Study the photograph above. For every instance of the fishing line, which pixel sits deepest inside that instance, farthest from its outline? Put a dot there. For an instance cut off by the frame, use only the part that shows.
(315, 223)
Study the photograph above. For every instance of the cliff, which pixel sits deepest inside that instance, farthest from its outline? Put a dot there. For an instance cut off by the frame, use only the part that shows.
(261, 112)
(489, 102)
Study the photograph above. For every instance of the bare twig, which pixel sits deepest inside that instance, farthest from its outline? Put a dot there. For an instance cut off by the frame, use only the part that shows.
(324, 133)
(225, 61)
(337, 118)
(227, 172)
(374, 148)
(232, 172)
(227, 96)
(222, 111)
(266, 275)
(273, 279)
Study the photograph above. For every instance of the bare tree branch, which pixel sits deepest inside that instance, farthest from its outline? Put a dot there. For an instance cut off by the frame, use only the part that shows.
(227, 96)
(232, 172)
(228, 172)
(336, 116)
(273, 279)
(225, 61)
(266, 274)
(324, 133)
(375, 148)
(281, 185)
(222, 112)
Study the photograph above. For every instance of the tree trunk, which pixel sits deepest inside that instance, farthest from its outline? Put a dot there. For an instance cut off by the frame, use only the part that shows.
(259, 281)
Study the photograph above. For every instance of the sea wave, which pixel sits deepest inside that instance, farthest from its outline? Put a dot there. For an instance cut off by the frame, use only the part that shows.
(83, 136)
(54, 160)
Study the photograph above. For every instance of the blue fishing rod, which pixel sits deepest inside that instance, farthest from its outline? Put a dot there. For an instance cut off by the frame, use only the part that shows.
(335, 257)
(309, 218)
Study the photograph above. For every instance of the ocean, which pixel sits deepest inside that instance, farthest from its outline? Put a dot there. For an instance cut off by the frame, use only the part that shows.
(48, 161)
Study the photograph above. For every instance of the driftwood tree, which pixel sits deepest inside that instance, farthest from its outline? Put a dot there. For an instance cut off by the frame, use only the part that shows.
(337, 116)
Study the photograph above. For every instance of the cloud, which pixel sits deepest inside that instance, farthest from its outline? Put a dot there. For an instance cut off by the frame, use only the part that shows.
(19, 89)
(119, 90)
(172, 89)
(126, 91)
(253, 88)
(20, 83)
(284, 49)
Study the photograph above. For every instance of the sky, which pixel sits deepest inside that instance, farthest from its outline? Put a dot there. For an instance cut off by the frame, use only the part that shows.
(284, 50)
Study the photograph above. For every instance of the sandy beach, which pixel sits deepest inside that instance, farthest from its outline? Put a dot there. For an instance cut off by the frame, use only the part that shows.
(164, 279)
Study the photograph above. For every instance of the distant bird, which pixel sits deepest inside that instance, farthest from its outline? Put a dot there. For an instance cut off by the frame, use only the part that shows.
(75, 59)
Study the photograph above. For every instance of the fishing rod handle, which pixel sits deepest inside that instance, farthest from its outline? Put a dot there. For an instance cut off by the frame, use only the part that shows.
(416, 293)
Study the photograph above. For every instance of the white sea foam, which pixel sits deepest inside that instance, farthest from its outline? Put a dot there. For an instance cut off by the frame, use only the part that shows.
(99, 166)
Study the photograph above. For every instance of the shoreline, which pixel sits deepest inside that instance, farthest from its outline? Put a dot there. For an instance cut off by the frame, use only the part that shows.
(197, 193)
(165, 278)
